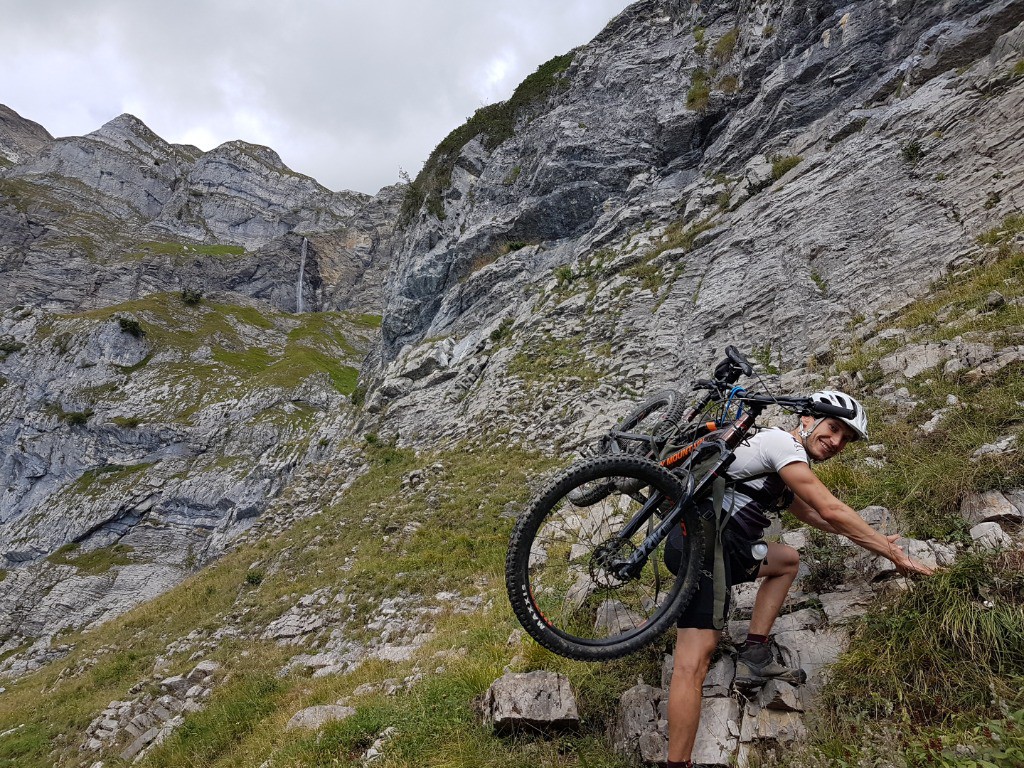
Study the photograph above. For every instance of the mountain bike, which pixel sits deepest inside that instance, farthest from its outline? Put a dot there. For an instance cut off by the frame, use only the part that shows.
(585, 570)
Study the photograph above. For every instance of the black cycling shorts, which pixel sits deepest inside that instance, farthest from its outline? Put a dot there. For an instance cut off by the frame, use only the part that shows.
(740, 567)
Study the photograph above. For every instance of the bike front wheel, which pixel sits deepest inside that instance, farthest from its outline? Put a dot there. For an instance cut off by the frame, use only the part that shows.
(561, 573)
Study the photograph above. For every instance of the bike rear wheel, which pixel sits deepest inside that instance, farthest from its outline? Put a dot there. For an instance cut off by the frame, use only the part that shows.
(558, 570)
(654, 416)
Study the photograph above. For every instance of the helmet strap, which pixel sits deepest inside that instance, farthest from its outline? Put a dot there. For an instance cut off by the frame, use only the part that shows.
(805, 433)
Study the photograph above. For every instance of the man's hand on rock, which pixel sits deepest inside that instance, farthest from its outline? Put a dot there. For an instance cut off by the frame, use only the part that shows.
(905, 564)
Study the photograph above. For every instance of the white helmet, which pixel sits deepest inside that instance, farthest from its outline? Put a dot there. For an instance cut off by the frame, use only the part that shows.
(859, 422)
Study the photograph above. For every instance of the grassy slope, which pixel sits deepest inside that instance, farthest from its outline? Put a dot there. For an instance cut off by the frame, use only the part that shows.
(460, 548)
(249, 349)
(942, 665)
(918, 675)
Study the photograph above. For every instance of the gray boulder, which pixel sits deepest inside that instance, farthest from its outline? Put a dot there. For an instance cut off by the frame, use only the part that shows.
(719, 732)
(639, 729)
(538, 701)
(991, 506)
(990, 536)
(312, 718)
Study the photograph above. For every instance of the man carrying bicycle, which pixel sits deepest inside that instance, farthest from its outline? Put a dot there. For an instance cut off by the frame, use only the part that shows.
(771, 471)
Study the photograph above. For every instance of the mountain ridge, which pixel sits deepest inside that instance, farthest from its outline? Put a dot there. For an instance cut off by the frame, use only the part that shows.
(791, 178)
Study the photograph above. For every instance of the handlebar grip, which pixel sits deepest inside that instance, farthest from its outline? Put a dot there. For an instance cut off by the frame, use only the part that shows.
(734, 354)
(826, 409)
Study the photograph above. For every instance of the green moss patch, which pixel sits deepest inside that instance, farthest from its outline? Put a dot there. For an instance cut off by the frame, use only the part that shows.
(553, 359)
(93, 562)
(98, 481)
(247, 348)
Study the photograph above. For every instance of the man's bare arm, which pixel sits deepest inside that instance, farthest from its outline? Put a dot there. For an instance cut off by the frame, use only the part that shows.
(807, 514)
(843, 519)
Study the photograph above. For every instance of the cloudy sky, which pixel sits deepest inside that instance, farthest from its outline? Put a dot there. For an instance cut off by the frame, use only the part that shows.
(347, 91)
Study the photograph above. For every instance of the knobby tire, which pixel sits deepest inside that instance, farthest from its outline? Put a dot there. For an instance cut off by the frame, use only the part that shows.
(557, 586)
(655, 415)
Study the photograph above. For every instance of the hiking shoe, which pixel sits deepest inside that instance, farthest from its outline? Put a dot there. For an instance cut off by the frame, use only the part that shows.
(755, 666)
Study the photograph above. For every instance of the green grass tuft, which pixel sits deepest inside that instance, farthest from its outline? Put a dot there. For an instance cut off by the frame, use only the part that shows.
(699, 93)
(912, 152)
(947, 645)
(726, 46)
(783, 164)
(553, 359)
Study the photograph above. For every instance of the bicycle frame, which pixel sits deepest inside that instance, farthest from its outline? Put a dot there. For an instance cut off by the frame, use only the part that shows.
(726, 444)
(587, 584)
(724, 439)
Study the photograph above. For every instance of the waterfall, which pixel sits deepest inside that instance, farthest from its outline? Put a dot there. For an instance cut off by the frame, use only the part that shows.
(298, 289)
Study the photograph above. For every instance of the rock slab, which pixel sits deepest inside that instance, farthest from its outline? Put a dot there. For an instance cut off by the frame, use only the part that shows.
(539, 701)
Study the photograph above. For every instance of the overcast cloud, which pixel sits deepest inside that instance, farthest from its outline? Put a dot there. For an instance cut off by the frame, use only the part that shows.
(346, 91)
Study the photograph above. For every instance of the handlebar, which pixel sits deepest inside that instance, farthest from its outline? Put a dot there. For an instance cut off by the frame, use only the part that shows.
(799, 404)
(728, 371)
(827, 409)
(712, 384)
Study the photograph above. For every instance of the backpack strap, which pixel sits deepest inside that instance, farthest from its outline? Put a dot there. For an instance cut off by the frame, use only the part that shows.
(765, 499)
(697, 465)
(721, 520)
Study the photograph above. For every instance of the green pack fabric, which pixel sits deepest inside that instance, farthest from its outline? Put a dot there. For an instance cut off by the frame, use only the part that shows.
(721, 520)
(714, 528)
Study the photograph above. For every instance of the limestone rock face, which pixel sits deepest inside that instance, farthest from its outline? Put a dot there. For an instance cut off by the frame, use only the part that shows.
(157, 395)
(93, 220)
(130, 460)
(797, 168)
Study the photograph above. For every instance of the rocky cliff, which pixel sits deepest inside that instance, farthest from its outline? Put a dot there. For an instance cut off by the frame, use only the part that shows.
(19, 138)
(117, 214)
(159, 388)
(695, 176)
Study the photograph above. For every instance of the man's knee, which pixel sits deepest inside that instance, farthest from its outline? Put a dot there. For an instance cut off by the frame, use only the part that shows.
(693, 651)
(791, 559)
(782, 560)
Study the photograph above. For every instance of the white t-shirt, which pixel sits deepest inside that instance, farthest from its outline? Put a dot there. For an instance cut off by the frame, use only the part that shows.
(763, 454)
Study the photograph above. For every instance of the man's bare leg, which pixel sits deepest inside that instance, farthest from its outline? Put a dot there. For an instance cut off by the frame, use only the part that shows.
(755, 664)
(690, 662)
(779, 572)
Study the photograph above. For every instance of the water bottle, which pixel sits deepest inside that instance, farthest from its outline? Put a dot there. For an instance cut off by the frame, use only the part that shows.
(759, 550)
